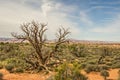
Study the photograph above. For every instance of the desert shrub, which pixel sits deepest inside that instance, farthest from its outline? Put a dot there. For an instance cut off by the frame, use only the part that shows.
(104, 67)
(89, 68)
(106, 51)
(118, 75)
(92, 62)
(96, 68)
(17, 62)
(109, 63)
(68, 71)
(3, 57)
(19, 70)
(105, 74)
(116, 65)
(1, 66)
(2, 43)
(1, 76)
(77, 50)
(83, 65)
(9, 67)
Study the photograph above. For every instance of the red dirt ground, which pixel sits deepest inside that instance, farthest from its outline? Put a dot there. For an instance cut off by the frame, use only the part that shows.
(27, 76)
(23, 76)
(96, 75)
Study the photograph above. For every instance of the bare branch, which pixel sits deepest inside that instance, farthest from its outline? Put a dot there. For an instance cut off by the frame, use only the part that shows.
(61, 37)
(35, 34)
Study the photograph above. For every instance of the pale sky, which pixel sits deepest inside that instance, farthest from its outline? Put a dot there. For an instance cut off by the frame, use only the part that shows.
(87, 19)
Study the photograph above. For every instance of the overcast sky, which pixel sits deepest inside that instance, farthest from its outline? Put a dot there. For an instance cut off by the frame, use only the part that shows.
(87, 19)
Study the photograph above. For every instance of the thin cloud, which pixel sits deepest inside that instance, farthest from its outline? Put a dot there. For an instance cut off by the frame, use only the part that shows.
(105, 3)
(14, 13)
(85, 18)
(112, 27)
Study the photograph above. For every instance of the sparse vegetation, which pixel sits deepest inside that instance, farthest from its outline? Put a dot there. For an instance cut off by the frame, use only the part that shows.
(68, 71)
(1, 76)
(40, 55)
(19, 70)
(105, 74)
(9, 67)
(1, 66)
(118, 75)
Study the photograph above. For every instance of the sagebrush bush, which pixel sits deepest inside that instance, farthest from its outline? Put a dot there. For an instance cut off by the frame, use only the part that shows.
(118, 75)
(104, 67)
(92, 62)
(116, 65)
(1, 76)
(19, 70)
(68, 71)
(83, 65)
(89, 68)
(96, 68)
(9, 67)
(105, 74)
(109, 63)
(1, 66)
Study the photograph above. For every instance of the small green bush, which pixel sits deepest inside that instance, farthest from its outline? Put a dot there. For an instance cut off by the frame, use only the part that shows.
(104, 67)
(105, 74)
(83, 65)
(96, 68)
(92, 62)
(1, 76)
(118, 75)
(9, 67)
(109, 64)
(117, 65)
(1, 66)
(19, 70)
(89, 68)
(68, 71)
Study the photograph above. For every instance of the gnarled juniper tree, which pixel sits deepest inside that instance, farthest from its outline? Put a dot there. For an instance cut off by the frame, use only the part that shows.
(35, 34)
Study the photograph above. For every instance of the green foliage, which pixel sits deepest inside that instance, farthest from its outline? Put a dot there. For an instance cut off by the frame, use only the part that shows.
(106, 51)
(21, 55)
(109, 63)
(83, 65)
(1, 76)
(9, 67)
(68, 71)
(104, 67)
(105, 74)
(1, 66)
(118, 75)
(19, 70)
(96, 68)
(92, 62)
(89, 68)
(116, 65)
(77, 50)
(8, 47)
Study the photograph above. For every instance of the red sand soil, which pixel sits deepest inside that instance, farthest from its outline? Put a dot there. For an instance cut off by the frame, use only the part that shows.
(96, 75)
(23, 76)
(27, 76)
